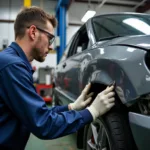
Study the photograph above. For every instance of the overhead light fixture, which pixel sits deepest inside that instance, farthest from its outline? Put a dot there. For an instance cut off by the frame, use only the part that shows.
(88, 14)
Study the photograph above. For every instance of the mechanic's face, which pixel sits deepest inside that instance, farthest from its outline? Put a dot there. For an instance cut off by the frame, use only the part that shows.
(44, 43)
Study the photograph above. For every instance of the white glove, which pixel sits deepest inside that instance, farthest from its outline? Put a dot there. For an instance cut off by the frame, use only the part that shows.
(102, 103)
(83, 100)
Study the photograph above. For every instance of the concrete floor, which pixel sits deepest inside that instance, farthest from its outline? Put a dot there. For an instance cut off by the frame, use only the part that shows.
(64, 143)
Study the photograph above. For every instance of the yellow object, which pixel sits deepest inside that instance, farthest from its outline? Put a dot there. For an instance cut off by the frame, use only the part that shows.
(52, 51)
(27, 3)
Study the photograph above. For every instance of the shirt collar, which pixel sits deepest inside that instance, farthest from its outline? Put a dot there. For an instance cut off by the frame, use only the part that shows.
(21, 53)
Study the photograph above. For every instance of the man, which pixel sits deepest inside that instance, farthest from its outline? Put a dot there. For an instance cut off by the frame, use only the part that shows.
(22, 110)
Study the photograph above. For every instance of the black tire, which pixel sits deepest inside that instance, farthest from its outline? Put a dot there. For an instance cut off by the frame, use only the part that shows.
(116, 133)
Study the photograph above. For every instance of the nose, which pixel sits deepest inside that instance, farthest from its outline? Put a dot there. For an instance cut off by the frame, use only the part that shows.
(50, 47)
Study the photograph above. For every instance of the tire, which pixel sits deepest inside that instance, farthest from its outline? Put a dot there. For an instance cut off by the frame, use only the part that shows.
(111, 132)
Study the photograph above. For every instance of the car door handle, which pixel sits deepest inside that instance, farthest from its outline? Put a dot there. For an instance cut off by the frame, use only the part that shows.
(64, 65)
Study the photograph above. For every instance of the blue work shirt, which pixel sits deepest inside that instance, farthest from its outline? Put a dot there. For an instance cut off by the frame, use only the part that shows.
(23, 111)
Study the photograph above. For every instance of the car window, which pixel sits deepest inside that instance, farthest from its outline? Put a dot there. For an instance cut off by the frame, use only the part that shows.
(120, 25)
(80, 42)
(65, 53)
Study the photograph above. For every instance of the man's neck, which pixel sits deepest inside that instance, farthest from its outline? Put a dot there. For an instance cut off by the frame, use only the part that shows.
(25, 47)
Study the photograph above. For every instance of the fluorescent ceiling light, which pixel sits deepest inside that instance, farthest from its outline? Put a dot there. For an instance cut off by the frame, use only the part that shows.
(88, 14)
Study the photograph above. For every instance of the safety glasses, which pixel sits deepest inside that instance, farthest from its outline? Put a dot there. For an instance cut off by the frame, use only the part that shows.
(50, 36)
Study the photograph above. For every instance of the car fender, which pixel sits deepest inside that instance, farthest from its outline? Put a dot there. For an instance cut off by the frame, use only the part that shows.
(103, 78)
(105, 69)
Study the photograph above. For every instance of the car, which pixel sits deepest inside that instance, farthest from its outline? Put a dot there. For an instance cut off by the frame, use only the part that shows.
(110, 48)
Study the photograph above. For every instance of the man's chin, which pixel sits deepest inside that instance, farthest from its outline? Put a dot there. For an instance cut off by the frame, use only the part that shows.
(41, 60)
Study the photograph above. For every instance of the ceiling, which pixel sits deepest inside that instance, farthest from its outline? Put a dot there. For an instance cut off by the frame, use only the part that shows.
(114, 2)
(138, 5)
(111, 2)
(77, 8)
(144, 5)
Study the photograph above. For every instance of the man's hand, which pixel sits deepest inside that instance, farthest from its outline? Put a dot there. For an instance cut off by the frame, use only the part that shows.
(83, 100)
(102, 103)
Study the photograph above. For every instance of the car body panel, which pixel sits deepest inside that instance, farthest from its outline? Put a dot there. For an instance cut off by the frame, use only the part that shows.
(140, 126)
(101, 65)
(141, 41)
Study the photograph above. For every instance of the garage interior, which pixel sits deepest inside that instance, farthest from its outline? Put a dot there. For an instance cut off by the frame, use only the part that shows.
(69, 14)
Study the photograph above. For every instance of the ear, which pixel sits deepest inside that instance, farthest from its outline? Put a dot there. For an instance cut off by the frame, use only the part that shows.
(32, 32)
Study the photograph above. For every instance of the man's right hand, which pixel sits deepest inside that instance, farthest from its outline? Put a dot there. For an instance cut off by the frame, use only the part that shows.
(102, 103)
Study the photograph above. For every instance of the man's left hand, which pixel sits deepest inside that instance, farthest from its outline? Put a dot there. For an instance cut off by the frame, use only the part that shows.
(83, 100)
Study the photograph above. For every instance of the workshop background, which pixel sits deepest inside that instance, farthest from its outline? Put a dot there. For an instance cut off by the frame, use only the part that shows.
(69, 14)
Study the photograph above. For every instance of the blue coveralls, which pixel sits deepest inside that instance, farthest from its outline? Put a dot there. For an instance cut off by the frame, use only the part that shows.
(23, 111)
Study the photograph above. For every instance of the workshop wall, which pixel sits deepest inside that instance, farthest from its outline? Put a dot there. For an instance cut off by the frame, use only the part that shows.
(9, 10)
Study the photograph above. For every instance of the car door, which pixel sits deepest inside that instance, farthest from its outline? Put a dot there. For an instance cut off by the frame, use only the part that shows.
(59, 71)
(69, 68)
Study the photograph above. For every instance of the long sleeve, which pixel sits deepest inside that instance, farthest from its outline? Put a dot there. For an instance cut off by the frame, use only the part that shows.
(60, 108)
(20, 96)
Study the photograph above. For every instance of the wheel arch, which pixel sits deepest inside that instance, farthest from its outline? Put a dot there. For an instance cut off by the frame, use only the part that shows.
(96, 87)
(106, 74)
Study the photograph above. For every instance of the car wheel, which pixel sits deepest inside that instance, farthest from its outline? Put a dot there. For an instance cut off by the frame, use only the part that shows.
(108, 133)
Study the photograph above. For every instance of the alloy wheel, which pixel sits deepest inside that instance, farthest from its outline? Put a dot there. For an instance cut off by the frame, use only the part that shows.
(97, 137)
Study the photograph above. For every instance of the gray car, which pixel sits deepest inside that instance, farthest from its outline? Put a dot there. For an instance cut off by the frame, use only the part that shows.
(108, 48)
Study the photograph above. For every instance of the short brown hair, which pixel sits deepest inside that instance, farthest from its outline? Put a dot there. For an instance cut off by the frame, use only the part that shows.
(32, 15)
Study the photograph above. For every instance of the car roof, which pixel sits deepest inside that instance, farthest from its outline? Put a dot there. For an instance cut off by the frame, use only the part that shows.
(120, 13)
